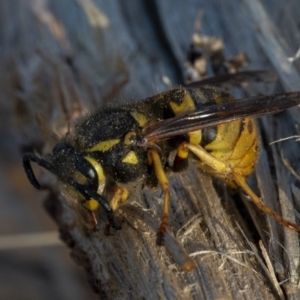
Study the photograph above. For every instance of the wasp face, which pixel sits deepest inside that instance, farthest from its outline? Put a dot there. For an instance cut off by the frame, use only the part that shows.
(67, 164)
(81, 177)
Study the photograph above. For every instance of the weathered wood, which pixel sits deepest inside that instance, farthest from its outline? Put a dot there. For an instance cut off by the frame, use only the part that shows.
(63, 58)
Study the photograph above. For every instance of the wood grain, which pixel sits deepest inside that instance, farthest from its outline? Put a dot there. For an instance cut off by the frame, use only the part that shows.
(61, 59)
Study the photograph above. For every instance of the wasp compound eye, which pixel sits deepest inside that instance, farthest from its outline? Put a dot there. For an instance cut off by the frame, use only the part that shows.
(86, 169)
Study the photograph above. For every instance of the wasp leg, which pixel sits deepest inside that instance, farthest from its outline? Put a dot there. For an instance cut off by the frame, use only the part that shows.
(164, 183)
(119, 196)
(92, 220)
(181, 160)
(240, 180)
(91, 205)
(241, 183)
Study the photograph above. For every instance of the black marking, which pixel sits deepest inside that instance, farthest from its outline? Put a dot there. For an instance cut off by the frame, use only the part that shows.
(209, 135)
(250, 126)
(86, 169)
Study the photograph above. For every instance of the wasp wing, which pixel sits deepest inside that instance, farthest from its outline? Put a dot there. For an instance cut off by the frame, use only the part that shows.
(216, 114)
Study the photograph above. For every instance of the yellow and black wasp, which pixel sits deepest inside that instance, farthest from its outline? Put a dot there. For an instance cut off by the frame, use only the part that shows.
(107, 150)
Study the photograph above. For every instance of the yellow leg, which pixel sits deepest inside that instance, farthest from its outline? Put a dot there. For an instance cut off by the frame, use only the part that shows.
(240, 181)
(164, 183)
(207, 158)
(120, 195)
(92, 220)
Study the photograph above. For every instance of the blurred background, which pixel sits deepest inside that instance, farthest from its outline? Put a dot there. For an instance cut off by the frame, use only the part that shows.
(59, 59)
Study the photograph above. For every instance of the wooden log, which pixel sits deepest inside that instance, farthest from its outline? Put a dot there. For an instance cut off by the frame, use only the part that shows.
(64, 58)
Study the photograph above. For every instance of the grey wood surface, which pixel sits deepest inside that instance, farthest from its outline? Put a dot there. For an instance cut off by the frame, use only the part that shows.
(60, 59)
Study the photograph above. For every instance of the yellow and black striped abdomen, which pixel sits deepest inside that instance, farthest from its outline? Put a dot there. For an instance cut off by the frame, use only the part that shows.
(236, 144)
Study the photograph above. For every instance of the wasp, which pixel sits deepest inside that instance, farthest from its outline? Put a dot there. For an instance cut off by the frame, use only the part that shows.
(111, 148)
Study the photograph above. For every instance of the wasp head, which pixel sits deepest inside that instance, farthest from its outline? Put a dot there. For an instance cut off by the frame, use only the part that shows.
(64, 162)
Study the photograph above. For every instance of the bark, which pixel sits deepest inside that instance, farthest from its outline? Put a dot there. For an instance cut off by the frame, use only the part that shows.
(61, 59)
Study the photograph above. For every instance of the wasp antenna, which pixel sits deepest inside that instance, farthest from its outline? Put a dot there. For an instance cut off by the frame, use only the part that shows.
(27, 158)
(90, 193)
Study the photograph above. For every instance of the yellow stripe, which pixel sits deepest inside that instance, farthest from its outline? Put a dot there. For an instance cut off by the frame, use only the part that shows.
(139, 117)
(99, 170)
(187, 104)
(129, 137)
(130, 158)
(104, 145)
(195, 137)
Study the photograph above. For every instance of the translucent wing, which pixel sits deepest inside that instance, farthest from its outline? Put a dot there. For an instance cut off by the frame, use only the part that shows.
(218, 113)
